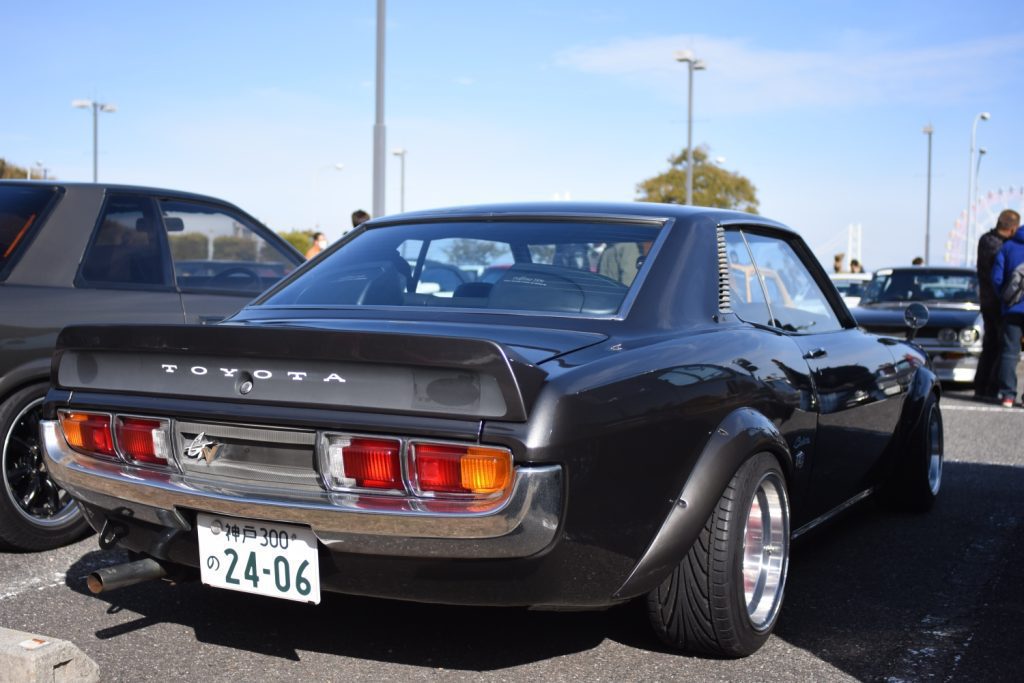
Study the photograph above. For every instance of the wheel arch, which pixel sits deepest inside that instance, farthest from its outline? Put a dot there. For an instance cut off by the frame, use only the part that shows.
(743, 433)
(35, 371)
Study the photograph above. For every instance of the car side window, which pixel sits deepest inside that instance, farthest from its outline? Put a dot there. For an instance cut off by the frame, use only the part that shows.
(215, 250)
(797, 303)
(126, 248)
(746, 293)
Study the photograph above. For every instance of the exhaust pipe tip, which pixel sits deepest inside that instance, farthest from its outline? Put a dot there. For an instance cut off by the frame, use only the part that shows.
(123, 575)
(94, 582)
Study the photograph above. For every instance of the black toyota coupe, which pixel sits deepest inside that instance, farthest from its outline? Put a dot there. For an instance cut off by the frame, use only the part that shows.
(638, 401)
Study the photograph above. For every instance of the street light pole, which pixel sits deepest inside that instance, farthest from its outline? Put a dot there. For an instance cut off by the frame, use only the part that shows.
(400, 153)
(379, 150)
(928, 130)
(693, 64)
(968, 228)
(96, 107)
(977, 188)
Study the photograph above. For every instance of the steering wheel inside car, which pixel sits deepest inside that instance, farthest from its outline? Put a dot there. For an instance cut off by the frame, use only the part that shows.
(237, 276)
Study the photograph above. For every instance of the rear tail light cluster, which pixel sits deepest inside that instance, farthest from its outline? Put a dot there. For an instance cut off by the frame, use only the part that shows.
(348, 462)
(140, 440)
(425, 469)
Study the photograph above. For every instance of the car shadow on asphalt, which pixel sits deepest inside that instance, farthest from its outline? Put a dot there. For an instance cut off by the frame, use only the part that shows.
(882, 595)
(876, 594)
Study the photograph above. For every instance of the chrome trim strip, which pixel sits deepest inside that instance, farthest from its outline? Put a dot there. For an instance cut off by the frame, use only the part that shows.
(832, 513)
(523, 524)
(291, 437)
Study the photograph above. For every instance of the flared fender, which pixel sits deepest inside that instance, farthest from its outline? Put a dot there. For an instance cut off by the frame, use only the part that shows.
(742, 434)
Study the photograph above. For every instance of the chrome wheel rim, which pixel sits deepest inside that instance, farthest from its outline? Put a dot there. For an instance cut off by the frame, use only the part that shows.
(27, 484)
(765, 551)
(935, 450)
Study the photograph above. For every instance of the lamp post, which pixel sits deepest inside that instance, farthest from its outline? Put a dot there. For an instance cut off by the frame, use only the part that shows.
(400, 153)
(969, 228)
(693, 64)
(96, 107)
(977, 188)
(379, 137)
(928, 130)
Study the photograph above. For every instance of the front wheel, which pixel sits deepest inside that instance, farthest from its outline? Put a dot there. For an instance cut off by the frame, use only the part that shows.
(914, 484)
(724, 598)
(35, 513)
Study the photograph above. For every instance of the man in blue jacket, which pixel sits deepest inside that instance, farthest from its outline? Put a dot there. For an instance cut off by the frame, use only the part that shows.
(1005, 281)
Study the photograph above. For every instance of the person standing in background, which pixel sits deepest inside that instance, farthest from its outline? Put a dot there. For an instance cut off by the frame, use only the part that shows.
(359, 217)
(991, 305)
(319, 244)
(1006, 280)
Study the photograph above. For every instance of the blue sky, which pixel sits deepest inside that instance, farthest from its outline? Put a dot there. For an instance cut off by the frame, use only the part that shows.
(820, 104)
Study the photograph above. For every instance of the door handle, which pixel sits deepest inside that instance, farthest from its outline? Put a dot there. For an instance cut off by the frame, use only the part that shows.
(819, 352)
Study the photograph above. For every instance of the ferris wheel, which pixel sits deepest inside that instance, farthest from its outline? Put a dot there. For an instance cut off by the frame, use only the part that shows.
(986, 210)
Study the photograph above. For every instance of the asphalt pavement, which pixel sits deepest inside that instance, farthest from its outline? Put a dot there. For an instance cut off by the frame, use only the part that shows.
(876, 596)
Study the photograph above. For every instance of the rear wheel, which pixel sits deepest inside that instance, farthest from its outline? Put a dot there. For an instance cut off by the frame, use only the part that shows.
(35, 513)
(724, 598)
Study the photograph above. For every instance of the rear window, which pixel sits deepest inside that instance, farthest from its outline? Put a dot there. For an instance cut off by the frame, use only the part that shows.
(21, 212)
(536, 266)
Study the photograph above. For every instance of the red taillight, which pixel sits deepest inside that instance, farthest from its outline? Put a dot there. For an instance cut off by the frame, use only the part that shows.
(359, 462)
(450, 468)
(88, 433)
(144, 440)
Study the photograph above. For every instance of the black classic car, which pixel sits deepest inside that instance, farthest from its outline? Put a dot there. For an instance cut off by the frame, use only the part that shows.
(556, 438)
(90, 253)
(953, 333)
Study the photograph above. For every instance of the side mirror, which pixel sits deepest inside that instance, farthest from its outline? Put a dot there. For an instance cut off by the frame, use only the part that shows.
(915, 316)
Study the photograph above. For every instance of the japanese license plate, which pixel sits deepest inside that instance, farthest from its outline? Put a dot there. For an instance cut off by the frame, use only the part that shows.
(253, 556)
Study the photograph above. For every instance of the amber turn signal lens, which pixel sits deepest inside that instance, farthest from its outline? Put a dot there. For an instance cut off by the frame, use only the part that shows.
(88, 433)
(486, 470)
(450, 468)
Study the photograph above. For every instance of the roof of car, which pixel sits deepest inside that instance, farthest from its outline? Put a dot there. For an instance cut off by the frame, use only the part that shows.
(933, 269)
(581, 209)
(850, 276)
(104, 187)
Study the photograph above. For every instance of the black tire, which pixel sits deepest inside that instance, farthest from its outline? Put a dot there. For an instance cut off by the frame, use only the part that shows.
(703, 607)
(917, 478)
(35, 513)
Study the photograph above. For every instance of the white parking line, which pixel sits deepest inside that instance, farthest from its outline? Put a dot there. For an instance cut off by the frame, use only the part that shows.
(983, 409)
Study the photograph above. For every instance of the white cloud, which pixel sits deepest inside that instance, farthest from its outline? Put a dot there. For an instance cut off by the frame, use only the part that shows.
(742, 78)
(465, 80)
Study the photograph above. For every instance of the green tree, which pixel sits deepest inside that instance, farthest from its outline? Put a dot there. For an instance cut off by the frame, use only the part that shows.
(192, 246)
(234, 249)
(712, 185)
(470, 252)
(300, 239)
(9, 170)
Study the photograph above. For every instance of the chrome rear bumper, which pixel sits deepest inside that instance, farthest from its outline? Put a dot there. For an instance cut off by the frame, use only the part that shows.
(522, 525)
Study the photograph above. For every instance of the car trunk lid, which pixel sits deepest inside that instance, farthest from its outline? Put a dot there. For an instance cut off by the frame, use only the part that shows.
(417, 371)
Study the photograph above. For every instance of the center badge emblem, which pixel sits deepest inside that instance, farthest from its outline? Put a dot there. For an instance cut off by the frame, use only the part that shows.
(202, 447)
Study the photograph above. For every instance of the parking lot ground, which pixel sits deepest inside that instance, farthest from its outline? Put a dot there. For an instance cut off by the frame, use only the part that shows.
(875, 596)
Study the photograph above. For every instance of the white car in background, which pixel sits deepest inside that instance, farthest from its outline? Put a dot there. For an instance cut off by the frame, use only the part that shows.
(850, 286)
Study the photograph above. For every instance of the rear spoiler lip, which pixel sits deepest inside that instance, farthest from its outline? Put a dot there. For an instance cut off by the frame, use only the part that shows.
(518, 380)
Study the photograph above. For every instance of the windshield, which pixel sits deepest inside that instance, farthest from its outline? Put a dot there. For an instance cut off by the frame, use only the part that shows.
(539, 266)
(922, 285)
